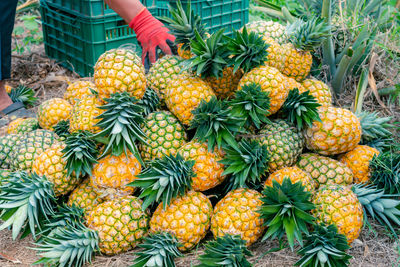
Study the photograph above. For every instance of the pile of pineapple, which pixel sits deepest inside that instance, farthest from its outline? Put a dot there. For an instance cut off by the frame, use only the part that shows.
(230, 136)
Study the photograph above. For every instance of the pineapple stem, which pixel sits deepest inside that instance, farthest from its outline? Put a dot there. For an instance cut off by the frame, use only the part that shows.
(341, 71)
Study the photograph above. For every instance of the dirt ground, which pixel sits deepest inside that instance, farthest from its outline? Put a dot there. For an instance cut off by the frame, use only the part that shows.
(50, 80)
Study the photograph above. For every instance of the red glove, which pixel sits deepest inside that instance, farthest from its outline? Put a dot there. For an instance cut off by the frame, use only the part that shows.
(151, 33)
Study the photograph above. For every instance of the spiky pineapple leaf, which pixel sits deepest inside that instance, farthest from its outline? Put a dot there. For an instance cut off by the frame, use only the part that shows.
(165, 179)
(159, 249)
(215, 124)
(324, 247)
(248, 50)
(227, 251)
(80, 153)
(62, 128)
(26, 202)
(252, 105)
(150, 102)
(24, 95)
(385, 171)
(373, 126)
(285, 210)
(245, 164)
(301, 109)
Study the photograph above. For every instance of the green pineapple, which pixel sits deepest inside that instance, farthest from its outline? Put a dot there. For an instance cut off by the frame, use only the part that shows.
(25, 126)
(7, 144)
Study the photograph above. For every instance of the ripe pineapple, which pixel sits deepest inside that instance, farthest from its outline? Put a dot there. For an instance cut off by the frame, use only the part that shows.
(339, 131)
(275, 56)
(21, 125)
(291, 84)
(4, 174)
(295, 174)
(208, 169)
(7, 144)
(319, 90)
(112, 174)
(337, 204)
(186, 217)
(184, 94)
(51, 164)
(117, 71)
(165, 135)
(78, 90)
(269, 29)
(237, 214)
(303, 38)
(84, 196)
(12, 126)
(284, 142)
(52, 111)
(84, 113)
(324, 170)
(358, 161)
(271, 81)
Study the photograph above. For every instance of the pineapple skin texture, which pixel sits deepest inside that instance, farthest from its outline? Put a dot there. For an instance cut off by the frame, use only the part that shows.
(78, 90)
(111, 174)
(184, 53)
(297, 64)
(84, 113)
(291, 84)
(121, 224)
(84, 196)
(225, 86)
(184, 95)
(207, 167)
(339, 132)
(271, 81)
(13, 126)
(22, 126)
(358, 161)
(7, 144)
(236, 214)
(295, 174)
(117, 71)
(51, 164)
(165, 135)
(187, 218)
(336, 204)
(324, 170)
(52, 111)
(268, 29)
(275, 56)
(319, 90)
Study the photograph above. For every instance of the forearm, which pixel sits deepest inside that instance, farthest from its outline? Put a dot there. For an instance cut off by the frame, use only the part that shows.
(127, 9)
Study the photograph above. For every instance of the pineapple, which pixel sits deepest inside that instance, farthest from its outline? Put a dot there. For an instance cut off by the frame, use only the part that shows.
(4, 174)
(21, 125)
(79, 90)
(84, 196)
(284, 142)
(112, 174)
(7, 144)
(324, 170)
(275, 56)
(270, 29)
(338, 205)
(165, 135)
(237, 214)
(319, 90)
(295, 174)
(84, 115)
(303, 38)
(51, 164)
(358, 161)
(187, 217)
(13, 125)
(208, 169)
(291, 84)
(51, 111)
(117, 71)
(339, 131)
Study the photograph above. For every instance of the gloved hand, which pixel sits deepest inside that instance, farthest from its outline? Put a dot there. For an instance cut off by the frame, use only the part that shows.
(151, 34)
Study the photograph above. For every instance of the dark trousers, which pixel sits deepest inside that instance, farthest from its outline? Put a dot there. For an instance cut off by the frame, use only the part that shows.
(7, 18)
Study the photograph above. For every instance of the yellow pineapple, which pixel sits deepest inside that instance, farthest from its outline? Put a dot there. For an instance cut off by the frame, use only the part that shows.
(237, 214)
(268, 29)
(52, 111)
(84, 113)
(184, 53)
(13, 125)
(275, 56)
(295, 174)
(291, 84)
(8, 88)
(226, 85)
(22, 125)
(319, 90)
(358, 161)
(78, 90)
(84, 196)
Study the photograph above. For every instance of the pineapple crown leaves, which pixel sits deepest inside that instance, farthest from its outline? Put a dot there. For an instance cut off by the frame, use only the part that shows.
(285, 209)
(150, 102)
(324, 247)
(71, 246)
(248, 50)
(211, 55)
(26, 201)
(62, 128)
(215, 124)
(183, 23)
(251, 104)
(165, 179)
(385, 171)
(373, 126)
(159, 249)
(80, 153)
(245, 164)
(24, 95)
(306, 36)
(301, 109)
(384, 208)
(227, 251)
(120, 123)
